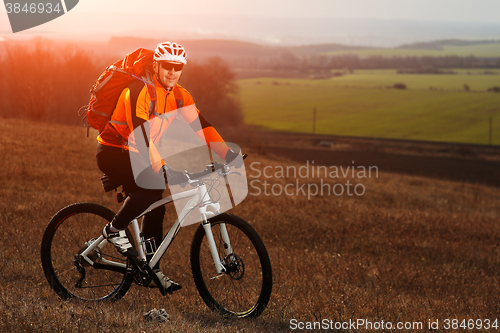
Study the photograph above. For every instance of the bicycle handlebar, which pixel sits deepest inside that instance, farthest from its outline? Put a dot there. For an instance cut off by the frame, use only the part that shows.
(208, 170)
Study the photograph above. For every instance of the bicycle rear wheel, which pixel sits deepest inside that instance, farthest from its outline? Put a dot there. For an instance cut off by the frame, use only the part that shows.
(68, 234)
(244, 290)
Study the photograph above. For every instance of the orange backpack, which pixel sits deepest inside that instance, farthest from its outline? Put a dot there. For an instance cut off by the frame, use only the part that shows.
(108, 87)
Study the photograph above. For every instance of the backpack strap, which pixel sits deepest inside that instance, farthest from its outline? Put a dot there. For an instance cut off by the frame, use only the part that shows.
(149, 82)
(152, 107)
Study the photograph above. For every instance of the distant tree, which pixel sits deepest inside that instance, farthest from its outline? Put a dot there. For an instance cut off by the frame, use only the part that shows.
(44, 80)
(214, 91)
(399, 86)
(29, 74)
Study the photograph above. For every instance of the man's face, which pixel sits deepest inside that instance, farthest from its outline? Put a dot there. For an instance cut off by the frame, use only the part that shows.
(168, 72)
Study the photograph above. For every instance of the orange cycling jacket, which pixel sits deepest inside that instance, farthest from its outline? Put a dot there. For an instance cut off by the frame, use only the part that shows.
(133, 110)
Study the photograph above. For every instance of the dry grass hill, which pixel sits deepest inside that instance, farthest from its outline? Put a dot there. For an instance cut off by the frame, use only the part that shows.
(411, 249)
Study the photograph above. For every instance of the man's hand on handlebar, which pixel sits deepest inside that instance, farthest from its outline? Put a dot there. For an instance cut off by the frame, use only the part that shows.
(174, 177)
(234, 158)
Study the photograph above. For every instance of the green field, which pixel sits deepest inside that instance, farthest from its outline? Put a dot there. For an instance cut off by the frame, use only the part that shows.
(475, 79)
(480, 50)
(361, 105)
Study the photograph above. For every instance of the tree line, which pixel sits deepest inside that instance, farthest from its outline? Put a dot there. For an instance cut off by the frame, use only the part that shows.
(50, 82)
(287, 61)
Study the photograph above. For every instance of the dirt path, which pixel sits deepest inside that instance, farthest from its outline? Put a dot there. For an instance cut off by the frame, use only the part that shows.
(452, 168)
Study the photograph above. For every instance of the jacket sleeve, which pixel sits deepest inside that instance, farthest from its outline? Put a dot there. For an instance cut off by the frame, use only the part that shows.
(203, 129)
(154, 156)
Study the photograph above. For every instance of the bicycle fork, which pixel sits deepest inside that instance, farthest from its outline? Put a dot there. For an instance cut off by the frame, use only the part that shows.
(219, 267)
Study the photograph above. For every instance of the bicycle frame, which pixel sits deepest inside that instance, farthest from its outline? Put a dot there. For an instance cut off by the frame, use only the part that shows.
(207, 208)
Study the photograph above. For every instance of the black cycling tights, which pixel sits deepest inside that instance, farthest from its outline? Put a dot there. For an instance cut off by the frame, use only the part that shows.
(115, 162)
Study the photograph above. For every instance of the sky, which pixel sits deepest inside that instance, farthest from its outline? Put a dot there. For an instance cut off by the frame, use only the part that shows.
(360, 22)
(434, 10)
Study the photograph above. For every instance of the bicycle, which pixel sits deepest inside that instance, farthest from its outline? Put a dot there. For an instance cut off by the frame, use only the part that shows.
(229, 262)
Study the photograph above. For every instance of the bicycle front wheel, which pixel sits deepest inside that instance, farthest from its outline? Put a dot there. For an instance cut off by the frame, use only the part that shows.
(68, 234)
(245, 288)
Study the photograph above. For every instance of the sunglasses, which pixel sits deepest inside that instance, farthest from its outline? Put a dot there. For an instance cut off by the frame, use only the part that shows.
(169, 65)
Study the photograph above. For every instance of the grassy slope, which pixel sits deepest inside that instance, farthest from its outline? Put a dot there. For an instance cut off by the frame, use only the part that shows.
(360, 105)
(410, 249)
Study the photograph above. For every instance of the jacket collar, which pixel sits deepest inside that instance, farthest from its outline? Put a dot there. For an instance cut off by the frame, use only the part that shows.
(159, 86)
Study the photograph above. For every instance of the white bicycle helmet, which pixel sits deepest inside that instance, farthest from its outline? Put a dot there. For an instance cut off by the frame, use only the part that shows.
(170, 51)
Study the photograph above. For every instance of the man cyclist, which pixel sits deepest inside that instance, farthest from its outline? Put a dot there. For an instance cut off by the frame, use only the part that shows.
(113, 150)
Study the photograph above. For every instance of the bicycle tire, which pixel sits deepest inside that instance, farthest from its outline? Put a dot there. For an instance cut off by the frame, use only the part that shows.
(64, 238)
(244, 292)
